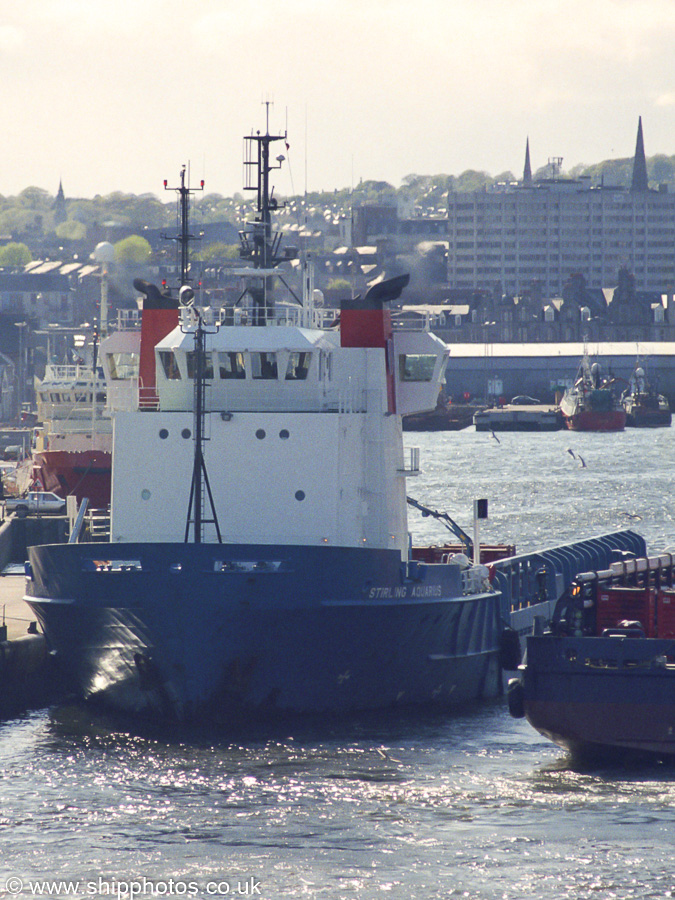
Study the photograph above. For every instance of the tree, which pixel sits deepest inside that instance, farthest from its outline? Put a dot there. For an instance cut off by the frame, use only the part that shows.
(133, 250)
(14, 256)
(217, 251)
(35, 198)
(338, 284)
(71, 230)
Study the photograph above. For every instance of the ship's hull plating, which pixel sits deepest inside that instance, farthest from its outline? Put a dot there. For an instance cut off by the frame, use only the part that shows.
(645, 417)
(216, 631)
(82, 473)
(602, 696)
(593, 420)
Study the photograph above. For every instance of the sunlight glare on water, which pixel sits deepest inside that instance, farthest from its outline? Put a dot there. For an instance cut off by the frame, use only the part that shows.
(475, 806)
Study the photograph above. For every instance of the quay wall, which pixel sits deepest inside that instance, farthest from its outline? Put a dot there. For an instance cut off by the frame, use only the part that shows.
(28, 676)
(538, 369)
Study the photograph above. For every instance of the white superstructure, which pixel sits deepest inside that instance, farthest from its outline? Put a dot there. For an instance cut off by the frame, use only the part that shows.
(303, 436)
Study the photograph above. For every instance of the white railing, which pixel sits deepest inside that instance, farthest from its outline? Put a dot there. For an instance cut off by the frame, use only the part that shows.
(411, 464)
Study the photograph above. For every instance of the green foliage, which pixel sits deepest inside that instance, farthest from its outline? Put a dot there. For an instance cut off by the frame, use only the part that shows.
(14, 256)
(72, 230)
(35, 198)
(217, 251)
(338, 284)
(471, 180)
(378, 192)
(133, 250)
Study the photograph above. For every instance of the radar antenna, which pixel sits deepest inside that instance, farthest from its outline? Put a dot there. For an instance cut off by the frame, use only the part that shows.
(259, 243)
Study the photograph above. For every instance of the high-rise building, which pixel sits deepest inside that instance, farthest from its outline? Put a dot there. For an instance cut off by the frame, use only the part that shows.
(543, 231)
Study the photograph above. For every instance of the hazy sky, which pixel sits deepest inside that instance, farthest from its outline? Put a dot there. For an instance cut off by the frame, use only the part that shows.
(118, 94)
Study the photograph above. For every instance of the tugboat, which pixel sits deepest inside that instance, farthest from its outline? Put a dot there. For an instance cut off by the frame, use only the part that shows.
(259, 556)
(591, 404)
(601, 681)
(645, 407)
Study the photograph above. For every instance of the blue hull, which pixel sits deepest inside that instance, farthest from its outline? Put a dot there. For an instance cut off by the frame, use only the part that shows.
(216, 631)
(602, 696)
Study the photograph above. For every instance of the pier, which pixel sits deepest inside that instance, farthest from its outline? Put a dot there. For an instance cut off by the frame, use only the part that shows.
(518, 418)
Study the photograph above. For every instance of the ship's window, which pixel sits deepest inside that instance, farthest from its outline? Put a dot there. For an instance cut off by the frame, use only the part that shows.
(55, 398)
(123, 365)
(260, 434)
(192, 365)
(232, 365)
(186, 433)
(264, 365)
(299, 495)
(298, 366)
(100, 397)
(169, 364)
(82, 397)
(416, 366)
(163, 433)
(284, 434)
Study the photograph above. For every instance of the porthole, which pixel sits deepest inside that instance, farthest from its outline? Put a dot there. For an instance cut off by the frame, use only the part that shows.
(186, 433)
(145, 494)
(299, 495)
(283, 434)
(163, 433)
(260, 434)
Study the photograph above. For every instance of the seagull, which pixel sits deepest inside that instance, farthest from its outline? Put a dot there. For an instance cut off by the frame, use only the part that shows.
(571, 452)
(495, 437)
(632, 516)
(581, 460)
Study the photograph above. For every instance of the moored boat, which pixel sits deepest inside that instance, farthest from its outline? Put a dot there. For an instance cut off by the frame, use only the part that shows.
(644, 406)
(601, 681)
(73, 446)
(592, 404)
(259, 559)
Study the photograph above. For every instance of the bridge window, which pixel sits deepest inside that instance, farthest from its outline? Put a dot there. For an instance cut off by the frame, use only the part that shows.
(169, 364)
(123, 365)
(416, 366)
(232, 365)
(264, 365)
(192, 365)
(298, 366)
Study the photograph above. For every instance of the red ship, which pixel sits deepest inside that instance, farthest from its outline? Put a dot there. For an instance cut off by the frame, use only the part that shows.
(591, 404)
(73, 448)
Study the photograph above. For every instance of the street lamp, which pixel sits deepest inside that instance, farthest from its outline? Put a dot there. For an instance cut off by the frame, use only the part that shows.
(21, 372)
(104, 253)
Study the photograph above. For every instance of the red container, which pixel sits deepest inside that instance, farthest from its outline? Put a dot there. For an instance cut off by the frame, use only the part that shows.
(665, 613)
(632, 604)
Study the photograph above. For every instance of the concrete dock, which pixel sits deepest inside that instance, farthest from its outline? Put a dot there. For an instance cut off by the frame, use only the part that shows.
(29, 678)
(14, 611)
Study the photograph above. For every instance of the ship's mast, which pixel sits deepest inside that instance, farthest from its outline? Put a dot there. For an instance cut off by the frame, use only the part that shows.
(259, 243)
(200, 478)
(184, 237)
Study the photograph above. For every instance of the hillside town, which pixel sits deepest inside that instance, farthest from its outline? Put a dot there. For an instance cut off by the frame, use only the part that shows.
(545, 258)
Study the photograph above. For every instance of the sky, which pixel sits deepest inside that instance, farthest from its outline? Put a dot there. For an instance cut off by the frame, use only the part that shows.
(117, 95)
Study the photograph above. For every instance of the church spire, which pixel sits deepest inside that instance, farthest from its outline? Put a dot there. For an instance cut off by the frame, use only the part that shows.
(640, 180)
(60, 214)
(527, 171)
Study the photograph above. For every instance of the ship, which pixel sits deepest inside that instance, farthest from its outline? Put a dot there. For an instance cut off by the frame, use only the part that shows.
(592, 404)
(600, 682)
(644, 406)
(259, 560)
(72, 453)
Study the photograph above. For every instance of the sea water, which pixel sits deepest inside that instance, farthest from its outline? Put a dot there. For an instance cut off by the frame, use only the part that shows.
(474, 805)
